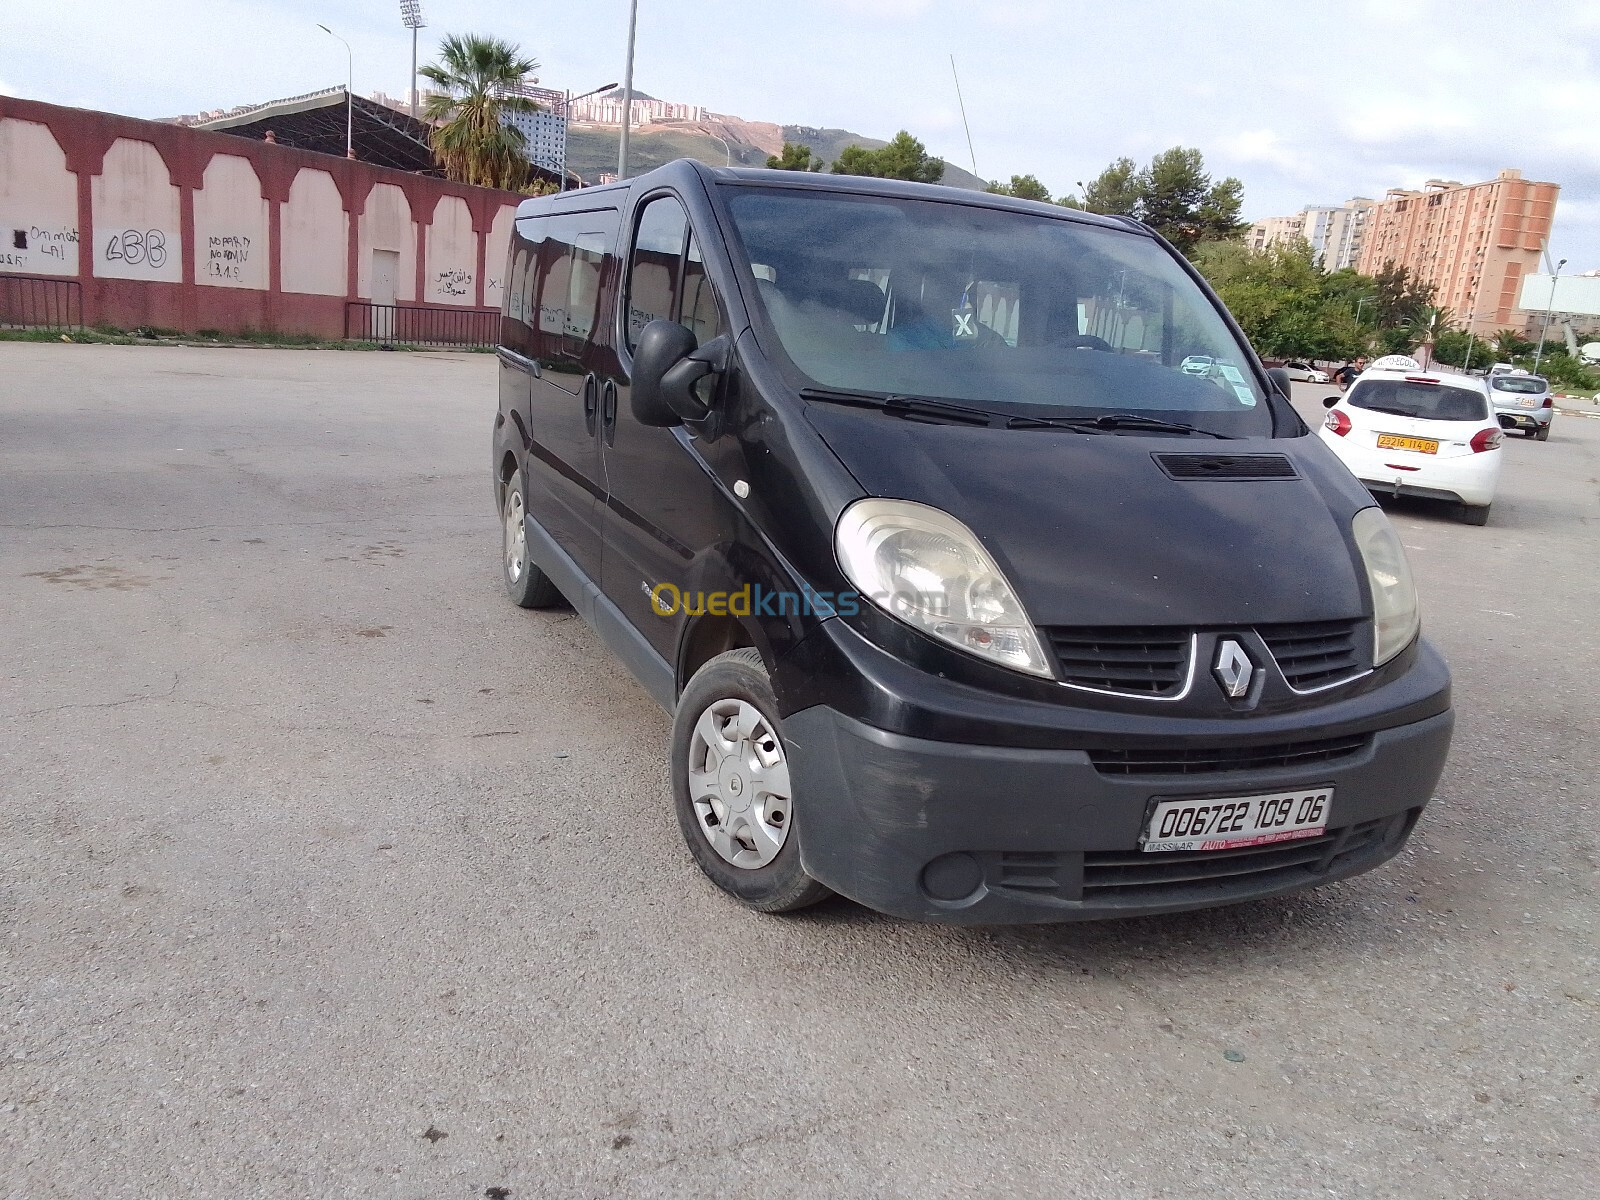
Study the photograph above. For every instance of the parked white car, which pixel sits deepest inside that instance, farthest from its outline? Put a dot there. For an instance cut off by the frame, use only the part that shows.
(1301, 372)
(1406, 431)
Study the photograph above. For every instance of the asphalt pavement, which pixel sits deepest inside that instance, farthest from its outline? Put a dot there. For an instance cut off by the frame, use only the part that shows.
(325, 871)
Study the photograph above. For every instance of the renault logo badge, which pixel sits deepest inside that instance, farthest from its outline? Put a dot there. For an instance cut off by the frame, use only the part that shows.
(1234, 671)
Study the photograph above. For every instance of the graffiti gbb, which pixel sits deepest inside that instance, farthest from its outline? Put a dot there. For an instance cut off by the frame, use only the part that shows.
(134, 247)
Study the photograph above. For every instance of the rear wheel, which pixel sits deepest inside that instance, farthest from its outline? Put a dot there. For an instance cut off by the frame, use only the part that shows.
(731, 788)
(1530, 433)
(1475, 514)
(1544, 433)
(526, 584)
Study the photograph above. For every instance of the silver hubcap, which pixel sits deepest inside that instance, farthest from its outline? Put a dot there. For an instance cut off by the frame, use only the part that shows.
(739, 783)
(516, 538)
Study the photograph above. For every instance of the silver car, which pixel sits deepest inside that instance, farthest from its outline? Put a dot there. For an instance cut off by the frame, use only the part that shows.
(1523, 401)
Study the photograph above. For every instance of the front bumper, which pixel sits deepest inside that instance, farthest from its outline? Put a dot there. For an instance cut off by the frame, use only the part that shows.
(970, 834)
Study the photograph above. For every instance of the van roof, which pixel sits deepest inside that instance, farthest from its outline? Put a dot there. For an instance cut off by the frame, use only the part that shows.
(681, 170)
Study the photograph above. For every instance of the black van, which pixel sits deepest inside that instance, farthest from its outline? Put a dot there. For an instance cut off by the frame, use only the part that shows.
(987, 574)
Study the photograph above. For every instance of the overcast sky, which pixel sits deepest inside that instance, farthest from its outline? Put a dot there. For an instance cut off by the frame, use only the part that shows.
(1306, 102)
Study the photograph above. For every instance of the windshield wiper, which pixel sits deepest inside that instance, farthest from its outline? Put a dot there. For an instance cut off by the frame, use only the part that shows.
(911, 408)
(1110, 422)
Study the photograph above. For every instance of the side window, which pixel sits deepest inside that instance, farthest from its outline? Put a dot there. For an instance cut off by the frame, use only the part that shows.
(514, 308)
(656, 265)
(567, 296)
(583, 289)
(699, 302)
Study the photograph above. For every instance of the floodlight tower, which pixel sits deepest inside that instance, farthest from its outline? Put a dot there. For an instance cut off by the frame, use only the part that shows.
(411, 17)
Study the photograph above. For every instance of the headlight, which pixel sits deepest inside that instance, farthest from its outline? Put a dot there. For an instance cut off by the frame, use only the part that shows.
(925, 567)
(1395, 617)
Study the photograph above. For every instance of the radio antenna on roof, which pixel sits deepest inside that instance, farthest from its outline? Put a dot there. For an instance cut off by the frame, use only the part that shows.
(963, 105)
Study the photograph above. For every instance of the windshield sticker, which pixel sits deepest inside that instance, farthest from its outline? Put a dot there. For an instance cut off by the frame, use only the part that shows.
(964, 319)
(1240, 388)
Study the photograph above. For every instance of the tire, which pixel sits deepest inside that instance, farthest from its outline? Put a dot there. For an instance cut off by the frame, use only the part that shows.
(1544, 433)
(1475, 514)
(1530, 433)
(751, 852)
(526, 584)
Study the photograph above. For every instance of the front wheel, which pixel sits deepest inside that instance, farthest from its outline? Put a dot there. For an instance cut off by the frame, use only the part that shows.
(526, 584)
(731, 787)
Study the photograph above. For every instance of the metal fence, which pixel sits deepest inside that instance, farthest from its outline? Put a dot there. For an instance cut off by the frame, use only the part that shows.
(394, 325)
(31, 302)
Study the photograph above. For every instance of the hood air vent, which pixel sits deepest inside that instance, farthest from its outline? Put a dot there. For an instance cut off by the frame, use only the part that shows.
(1226, 466)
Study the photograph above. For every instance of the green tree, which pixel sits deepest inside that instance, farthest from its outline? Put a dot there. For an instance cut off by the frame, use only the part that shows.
(903, 158)
(1508, 344)
(1180, 202)
(474, 76)
(1116, 191)
(1454, 345)
(1400, 299)
(1428, 326)
(794, 158)
(1280, 299)
(1024, 187)
(1172, 194)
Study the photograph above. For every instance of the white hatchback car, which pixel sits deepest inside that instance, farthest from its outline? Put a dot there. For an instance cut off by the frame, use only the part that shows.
(1403, 430)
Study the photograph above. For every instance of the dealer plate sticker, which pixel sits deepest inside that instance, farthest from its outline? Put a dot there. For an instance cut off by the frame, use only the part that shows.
(1228, 824)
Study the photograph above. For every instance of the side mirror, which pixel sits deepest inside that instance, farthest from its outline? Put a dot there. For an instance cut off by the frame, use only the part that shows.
(1329, 401)
(662, 346)
(1281, 381)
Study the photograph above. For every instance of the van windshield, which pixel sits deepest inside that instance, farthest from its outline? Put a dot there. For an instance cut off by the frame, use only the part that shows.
(1012, 312)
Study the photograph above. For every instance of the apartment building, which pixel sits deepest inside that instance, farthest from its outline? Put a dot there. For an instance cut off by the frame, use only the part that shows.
(1336, 232)
(1473, 242)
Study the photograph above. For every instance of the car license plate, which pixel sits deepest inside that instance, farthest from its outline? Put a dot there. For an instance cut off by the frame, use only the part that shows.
(1394, 441)
(1238, 821)
(1529, 402)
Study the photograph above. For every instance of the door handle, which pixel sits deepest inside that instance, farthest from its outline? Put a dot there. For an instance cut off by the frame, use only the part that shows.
(591, 401)
(608, 415)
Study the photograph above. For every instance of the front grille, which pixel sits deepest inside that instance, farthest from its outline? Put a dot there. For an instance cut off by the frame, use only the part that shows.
(1184, 761)
(1129, 876)
(1226, 466)
(1313, 654)
(1150, 661)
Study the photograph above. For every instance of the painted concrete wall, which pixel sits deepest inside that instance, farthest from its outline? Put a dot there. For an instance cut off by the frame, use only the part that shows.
(386, 225)
(232, 223)
(494, 256)
(451, 273)
(280, 239)
(137, 223)
(315, 230)
(38, 202)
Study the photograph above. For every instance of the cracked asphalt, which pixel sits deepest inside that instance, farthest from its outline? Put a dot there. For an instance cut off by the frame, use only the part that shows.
(324, 871)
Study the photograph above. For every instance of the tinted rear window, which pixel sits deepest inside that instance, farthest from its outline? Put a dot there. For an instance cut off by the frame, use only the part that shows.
(1526, 385)
(1427, 401)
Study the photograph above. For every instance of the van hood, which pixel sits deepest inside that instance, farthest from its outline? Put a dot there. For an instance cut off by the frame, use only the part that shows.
(1091, 530)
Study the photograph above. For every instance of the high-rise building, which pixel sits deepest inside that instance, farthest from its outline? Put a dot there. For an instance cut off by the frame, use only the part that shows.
(1335, 232)
(1473, 242)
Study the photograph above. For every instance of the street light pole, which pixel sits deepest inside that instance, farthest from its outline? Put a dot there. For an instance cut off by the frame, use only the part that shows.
(349, 94)
(627, 92)
(411, 18)
(1548, 309)
(566, 120)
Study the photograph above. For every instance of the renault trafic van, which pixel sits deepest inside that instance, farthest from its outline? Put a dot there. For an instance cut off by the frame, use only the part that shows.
(971, 598)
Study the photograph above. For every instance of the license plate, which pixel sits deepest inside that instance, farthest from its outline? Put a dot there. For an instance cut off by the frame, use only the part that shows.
(1529, 402)
(1227, 824)
(1393, 441)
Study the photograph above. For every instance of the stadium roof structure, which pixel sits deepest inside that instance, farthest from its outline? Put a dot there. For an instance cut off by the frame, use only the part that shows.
(380, 135)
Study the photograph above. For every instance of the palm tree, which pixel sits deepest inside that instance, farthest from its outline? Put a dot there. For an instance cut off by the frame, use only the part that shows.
(476, 76)
(1428, 324)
